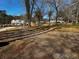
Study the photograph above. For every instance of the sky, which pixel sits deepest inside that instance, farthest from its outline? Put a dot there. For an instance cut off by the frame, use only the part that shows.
(15, 7)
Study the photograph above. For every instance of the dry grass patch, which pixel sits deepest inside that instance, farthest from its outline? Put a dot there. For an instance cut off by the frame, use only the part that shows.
(68, 29)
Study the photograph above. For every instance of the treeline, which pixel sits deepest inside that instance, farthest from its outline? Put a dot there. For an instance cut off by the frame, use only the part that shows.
(4, 18)
(54, 9)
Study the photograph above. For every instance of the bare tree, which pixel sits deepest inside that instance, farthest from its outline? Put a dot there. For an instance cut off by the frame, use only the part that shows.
(73, 11)
(38, 6)
(56, 4)
(75, 4)
(29, 9)
(49, 14)
(38, 14)
(27, 4)
(39, 10)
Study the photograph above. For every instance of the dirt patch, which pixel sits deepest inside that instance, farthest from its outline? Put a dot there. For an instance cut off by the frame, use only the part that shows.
(53, 45)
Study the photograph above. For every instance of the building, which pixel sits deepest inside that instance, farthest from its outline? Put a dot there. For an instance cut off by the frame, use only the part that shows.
(17, 22)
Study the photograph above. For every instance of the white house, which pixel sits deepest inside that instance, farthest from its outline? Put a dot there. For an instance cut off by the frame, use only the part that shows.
(58, 21)
(18, 22)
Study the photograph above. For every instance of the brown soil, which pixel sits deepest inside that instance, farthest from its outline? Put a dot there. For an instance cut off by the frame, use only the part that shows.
(51, 45)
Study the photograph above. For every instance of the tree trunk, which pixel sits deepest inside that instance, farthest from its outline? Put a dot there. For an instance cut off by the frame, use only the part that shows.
(49, 20)
(29, 22)
(39, 22)
(56, 15)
